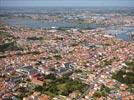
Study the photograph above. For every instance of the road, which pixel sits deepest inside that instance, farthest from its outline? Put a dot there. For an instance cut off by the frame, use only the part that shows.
(91, 85)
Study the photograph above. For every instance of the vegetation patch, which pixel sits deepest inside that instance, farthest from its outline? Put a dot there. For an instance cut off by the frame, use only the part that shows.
(60, 86)
(103, 92)
(11, 46)
(57, 56)
(126, 75)
(35, 38)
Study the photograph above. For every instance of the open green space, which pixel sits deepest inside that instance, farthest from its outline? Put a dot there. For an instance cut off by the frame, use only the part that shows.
(61, 86)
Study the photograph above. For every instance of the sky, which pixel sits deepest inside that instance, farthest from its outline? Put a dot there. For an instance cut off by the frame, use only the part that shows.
(67, 3)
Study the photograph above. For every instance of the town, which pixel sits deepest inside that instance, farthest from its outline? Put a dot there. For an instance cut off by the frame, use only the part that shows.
(85, 60)
(67, 63)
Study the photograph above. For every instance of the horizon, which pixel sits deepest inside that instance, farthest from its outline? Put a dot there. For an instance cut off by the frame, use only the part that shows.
(66, 3)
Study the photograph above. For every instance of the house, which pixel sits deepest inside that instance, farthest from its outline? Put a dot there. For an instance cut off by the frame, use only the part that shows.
(129, 97)
(66, 68)
(35, 81)
(28, 70)
(123, 86)
(60, 97)
(36, 96)
(43, 70)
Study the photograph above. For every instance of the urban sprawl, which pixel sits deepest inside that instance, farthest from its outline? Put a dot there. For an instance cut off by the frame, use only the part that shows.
(67, 63)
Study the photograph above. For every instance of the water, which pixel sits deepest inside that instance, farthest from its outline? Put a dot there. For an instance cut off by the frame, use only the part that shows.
(124, 34)
(7, 17)
(27, 22)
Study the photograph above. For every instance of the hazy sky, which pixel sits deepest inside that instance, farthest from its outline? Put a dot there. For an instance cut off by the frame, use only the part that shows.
(62, 3)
